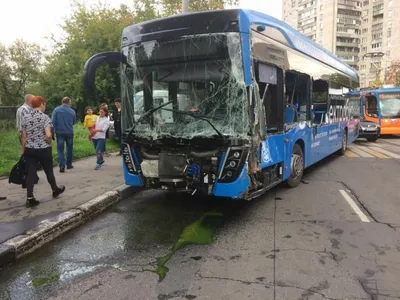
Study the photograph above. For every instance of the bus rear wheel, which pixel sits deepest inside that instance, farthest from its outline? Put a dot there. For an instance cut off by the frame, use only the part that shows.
(344, 143)
(296, 167)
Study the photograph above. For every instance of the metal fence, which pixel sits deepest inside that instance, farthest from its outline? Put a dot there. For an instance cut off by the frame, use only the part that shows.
(8, 113)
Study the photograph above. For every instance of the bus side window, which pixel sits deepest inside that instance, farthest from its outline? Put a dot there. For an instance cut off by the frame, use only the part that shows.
(320, 101)
(270, 84)
(297, 96)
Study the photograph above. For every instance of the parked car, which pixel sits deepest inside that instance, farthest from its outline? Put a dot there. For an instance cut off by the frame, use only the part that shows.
(369, 130)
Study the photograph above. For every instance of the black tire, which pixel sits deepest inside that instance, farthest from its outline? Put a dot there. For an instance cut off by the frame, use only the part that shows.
(296, 167)
(372, 139)
(344, 144)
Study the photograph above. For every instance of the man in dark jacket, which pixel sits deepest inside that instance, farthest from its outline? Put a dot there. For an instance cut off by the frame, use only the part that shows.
(64, 118)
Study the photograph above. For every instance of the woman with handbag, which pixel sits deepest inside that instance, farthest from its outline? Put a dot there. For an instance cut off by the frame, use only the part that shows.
(36, 147)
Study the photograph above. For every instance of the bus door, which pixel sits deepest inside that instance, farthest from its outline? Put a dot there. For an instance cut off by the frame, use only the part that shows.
(355, 113)
(320, 126)
(370, 106)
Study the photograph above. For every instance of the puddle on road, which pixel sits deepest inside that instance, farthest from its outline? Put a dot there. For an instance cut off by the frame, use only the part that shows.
(200, 232)
(39, 281)
(143, 230)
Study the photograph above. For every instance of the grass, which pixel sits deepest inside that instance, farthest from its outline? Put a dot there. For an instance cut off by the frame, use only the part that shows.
(10, 147)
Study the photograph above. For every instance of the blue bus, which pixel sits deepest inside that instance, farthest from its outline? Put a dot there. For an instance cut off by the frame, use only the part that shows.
(227, 103)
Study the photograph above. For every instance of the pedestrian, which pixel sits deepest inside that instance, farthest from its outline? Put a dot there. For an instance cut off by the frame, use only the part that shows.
(99, 138)
(64, 119)
(116, 116)
(90, 121)
(22, 111)
(36, 141)
(105, 105)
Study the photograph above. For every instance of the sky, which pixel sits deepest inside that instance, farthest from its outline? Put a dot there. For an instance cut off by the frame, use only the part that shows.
(34, 21)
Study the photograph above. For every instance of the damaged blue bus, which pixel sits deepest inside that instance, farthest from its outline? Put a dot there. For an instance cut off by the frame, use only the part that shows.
(227, 103)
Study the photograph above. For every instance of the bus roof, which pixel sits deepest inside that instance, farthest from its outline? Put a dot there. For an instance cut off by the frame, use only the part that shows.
(231, 20)
(379, 91)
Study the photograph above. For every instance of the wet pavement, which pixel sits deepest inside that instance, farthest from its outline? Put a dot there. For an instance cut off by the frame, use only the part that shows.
(302, 243)
(83, 183)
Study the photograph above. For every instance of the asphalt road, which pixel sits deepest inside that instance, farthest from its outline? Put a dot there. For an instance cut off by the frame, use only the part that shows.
(336, 236)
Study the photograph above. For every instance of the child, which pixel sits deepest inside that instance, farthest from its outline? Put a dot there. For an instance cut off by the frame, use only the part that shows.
(99, 138)
(105, 105)
(90, 121)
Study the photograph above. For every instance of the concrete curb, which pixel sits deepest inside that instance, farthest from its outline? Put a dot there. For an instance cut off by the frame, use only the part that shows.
(47, 230)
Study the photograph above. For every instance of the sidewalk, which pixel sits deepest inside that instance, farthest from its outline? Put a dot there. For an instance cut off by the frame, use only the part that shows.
(82, 184)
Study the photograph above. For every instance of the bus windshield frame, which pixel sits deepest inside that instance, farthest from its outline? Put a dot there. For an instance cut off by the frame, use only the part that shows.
(198, 73)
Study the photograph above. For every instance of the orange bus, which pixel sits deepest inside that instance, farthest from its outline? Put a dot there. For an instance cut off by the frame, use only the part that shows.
(381, 106)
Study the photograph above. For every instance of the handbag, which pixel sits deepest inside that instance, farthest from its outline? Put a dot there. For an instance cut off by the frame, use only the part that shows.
(18, 172)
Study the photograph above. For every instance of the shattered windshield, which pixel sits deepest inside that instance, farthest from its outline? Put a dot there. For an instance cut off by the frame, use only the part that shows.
(201, 74)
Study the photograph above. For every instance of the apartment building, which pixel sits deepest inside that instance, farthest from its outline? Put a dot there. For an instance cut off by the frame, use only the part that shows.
(360, 32)
(380, 40)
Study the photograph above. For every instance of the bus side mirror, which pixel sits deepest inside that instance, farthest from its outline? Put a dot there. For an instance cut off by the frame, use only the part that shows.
(91, 65)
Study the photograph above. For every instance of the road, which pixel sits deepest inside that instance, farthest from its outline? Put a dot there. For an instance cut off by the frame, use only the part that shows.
(336, 236)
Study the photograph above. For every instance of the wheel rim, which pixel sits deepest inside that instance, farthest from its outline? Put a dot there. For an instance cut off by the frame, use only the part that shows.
(296, 165)
(344, 146)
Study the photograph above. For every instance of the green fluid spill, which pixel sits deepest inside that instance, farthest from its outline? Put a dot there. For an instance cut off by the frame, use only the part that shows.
(37, 282)
(200, 232)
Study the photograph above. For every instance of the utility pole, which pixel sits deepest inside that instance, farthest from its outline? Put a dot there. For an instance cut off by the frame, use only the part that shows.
(185, 6)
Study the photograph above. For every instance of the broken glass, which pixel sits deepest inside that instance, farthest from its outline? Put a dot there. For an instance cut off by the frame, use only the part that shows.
(201, 74)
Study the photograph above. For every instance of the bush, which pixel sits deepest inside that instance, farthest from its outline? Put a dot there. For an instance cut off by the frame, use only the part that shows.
(7, 125)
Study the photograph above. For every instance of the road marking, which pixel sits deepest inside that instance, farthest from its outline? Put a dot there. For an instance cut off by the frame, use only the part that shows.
(359, 152)
(372, 152)
(375, 145)
(390, 142)
(388, 153)
(349, 153)
(354, 206)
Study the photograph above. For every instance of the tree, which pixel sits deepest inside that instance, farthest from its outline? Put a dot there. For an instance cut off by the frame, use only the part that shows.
(19, 66)
(87, 32)
(393, 74)
(92, 30)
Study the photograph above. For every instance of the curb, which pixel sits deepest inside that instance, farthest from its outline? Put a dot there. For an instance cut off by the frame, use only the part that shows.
(47, 230)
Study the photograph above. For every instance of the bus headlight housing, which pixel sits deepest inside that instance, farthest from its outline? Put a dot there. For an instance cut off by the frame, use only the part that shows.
(233, 164)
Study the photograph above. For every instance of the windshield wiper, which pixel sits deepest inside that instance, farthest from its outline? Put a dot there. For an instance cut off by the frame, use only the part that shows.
(197, 116)
(149, 112)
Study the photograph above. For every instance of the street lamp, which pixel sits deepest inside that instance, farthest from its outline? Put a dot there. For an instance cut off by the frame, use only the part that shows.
(374, 54)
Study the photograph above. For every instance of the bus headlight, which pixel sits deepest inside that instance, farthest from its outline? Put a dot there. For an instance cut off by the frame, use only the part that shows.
(233, 164)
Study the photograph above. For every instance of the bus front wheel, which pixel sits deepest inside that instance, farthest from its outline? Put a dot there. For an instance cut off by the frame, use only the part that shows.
(296, 167)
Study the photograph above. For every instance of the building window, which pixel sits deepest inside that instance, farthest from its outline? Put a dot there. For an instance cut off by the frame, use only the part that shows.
(388, 53)
(376, 45)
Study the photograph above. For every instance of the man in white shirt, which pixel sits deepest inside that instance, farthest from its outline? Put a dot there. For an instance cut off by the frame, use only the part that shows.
(22, 111)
